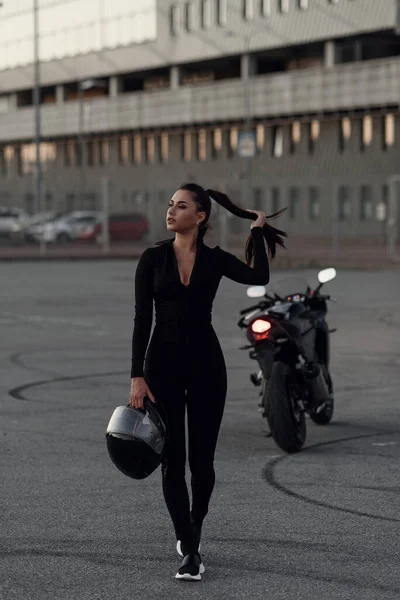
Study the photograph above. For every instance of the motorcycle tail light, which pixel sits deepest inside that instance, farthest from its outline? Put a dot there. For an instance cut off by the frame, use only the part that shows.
(260, 329)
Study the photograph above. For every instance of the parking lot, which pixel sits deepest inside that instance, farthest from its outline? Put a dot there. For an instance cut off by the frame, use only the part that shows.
(320, 524)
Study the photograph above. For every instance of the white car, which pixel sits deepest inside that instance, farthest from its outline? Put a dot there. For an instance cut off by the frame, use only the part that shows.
(11, 218)
(20, 231)
(63, 229)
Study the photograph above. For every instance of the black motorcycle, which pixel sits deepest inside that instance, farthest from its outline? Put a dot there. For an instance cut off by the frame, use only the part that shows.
(289, 338)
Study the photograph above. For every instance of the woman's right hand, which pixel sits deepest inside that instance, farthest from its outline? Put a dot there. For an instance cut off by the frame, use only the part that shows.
(139, 390)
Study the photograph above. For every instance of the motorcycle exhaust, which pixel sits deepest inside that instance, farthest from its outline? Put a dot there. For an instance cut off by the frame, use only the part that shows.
(316, 383)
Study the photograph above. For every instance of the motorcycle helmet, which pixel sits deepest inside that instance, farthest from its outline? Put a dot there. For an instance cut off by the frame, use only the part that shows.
(136, 439)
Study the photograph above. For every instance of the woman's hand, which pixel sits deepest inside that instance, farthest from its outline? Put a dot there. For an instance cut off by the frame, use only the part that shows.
(139, 390)
(261, 219)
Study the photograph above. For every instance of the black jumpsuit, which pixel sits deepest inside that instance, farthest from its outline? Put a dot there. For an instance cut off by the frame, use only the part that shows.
(184, 365)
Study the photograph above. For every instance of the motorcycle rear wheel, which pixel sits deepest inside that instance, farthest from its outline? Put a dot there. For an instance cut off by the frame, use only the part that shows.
(286, 420)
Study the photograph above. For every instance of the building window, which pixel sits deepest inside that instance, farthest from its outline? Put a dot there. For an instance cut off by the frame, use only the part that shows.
(388, 134)
(48, 152)
(258, 199)
(314, 204)
(190, 16)
(284, 6)
(276, 199)
(18, 151)
(123, 149)
(385, 201)
(70, 203)
(175, 16)
(4, 104)
(187, 146)
(26, 159)
(202, 145)
(217, 142)
(90, 201)
(366, 203)
(104, 153)
(345, 208)
(303, 4)
(30, 203)
(68, 153)
(9, 154)
(344, 133)
(164, 150)
(265, 8)
(137, 149)
(48, 202)
(150, 149)
(3, 165)
(313, 135)
(277, 141)
(205, 14)
(90, 153)
(366, 131)
(294, 199)
(221, 12)
(248, 10)
(233, 141)
(260, 136)
(295, 136)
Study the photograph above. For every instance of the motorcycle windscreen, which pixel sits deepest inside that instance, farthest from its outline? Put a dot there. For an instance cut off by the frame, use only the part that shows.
(289, 286)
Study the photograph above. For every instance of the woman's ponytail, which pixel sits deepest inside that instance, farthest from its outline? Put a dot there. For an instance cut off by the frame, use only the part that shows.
(273, 237)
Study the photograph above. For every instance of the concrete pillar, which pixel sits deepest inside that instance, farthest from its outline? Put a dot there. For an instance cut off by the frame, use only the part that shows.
(115, 86)
(329, 54)
(60, 94)
(247, 66)
(174, 77)
(12, 102)
(358, 50)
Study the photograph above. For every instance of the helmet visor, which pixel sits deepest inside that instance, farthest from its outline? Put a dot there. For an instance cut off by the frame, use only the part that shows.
(133, 424)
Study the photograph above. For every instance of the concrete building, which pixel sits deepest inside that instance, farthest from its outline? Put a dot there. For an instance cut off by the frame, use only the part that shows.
(278, 102)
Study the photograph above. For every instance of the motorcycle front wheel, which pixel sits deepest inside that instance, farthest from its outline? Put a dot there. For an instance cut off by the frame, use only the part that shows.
(285, 418)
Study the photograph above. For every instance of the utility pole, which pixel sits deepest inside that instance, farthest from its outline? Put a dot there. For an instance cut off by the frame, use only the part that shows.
(248, 151)
(36, 103)
(82, 154)
(248, 122)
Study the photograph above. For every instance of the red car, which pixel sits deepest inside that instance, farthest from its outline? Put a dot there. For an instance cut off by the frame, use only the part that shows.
(121, 227)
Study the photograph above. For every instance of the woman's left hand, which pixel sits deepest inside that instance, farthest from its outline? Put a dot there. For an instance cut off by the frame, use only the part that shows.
(261, 219)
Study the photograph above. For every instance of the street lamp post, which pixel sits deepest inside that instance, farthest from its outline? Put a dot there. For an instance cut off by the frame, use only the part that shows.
(36, 103)
(249, 153)
(248, 122)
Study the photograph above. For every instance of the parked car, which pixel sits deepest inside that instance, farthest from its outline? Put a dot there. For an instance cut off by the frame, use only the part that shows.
(64, 229)
(121, 227)
(21, 230)
(10, 218)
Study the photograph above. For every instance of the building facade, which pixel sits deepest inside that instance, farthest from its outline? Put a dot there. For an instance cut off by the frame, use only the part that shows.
(278, 102)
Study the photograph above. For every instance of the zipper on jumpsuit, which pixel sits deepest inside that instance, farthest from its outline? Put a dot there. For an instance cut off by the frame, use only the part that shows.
(185, 291)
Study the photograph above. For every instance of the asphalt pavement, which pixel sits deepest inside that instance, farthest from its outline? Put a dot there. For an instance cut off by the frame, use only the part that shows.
(320, 525)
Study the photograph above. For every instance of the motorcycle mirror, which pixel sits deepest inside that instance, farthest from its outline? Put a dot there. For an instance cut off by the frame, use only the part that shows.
(256, 291)
(326, 275)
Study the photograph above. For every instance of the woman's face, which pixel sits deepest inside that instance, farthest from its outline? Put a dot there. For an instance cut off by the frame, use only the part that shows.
(183, 214)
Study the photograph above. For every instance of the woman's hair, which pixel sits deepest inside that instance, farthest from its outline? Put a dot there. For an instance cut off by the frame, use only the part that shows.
(202, 197)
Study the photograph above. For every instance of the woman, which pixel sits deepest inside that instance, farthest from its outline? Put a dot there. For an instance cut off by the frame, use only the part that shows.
(185, 367)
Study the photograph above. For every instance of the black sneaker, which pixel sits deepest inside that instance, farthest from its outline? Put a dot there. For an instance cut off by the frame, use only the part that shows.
(191, 568)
